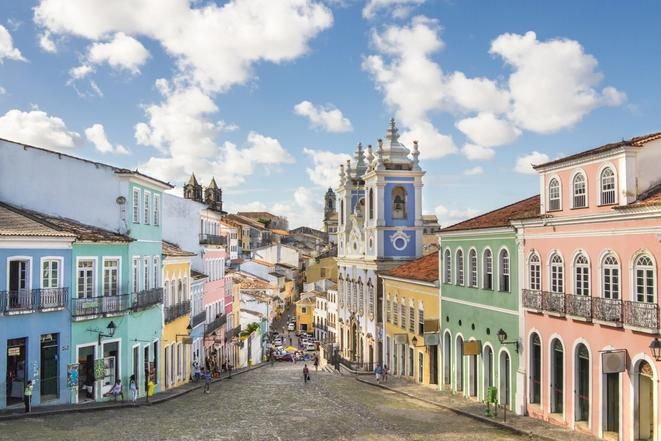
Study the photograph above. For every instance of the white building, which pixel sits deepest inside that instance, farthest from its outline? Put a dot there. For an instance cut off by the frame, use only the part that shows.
(278, 254)
(320, 317)
(331, 315)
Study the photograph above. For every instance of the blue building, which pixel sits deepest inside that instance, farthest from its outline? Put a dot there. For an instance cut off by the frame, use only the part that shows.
(35, 323)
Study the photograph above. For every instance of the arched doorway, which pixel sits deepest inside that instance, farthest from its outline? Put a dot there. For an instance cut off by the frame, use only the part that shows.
(582, 388)
(472, 375)
(557, 376)
(354, 341)
(504, 377)
(487, 359)
(645, 402)
(459, 369)
(447, 360)
(535, 369)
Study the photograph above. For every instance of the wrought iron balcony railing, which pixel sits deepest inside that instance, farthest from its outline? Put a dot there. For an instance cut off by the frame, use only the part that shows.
(100, 305)
(641, 315)
(579, 305)
(212, 239)
(216, 323)
(149, 297)
(553, 302)
(607, 310)
(32, 300)
(532, 299)
(175, 311)
(199, 318)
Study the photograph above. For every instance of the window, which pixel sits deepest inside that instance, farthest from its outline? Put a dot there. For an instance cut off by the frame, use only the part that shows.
(421, 321)
(157, 209)
(611, 277)
(472, 268)
(580, 197)
(370, 297)
(536, 370)
(607, 180)
(395, 312)
(534, 273)
(399, 203)
(157, 271)
(361, 296)
(403, 321)
(146, 273)
(136, 274)
(50, 273)
(488, 269)
(147, 200)
(185, 295)
(166, 293)
(136, 205)
(371, 203)
(557, 274)
(411, 319)
(554, 195)
(644, 273)
(341, 212)
(110, 277)
(460, 267)
(86, 278)
(504, 270)
(581, 276)
(410, 362)
(448, 267)
(388, 310)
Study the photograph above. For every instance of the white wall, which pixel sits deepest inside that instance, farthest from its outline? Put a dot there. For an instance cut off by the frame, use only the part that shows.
(278, 254)
(648, 160)
(181, 226)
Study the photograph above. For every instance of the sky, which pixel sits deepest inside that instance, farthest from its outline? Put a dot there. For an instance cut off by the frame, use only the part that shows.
(270, 96)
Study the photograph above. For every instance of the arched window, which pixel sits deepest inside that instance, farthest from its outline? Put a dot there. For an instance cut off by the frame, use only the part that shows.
(166, 292)
(610, 276)
(421, 319)
(580, 196)
(557, 274)
(582, 363)
(472, 268)
(581, 276)
(460, 267)
(341, 212)
(534, 273)
(399, 203)
(370, 297)
(645, 279)
(448, 266)
(361, 296)
(371, 203)
(487, 268)
(360, 208)
(180, 291)
(607, 184)
(557, 376)
(504, 270)
(535, 369)
(554, 194)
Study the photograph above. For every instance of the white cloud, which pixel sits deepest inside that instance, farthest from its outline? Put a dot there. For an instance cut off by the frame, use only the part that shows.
(325, 167)
(328, 118)
(47, 43)
(400, 8)
(477, 94)
(473, 171)
(80, 72)
(447, 216)
(432, 143)
(487, 130)
(38, 128)
(122, 52)
(524, 163)
(2, 90)
(476, 152)
(96, 134)
(553, 82)
(195, 34)
(7, 49)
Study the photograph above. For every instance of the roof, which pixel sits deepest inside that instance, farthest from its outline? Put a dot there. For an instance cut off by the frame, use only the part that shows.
(649, 198)
(257, 214)
(500, 217)
(638, 141)
(424, 269)
(244, 221)
(172, 250)
(14, 223)
(196, 275)
(280, 232)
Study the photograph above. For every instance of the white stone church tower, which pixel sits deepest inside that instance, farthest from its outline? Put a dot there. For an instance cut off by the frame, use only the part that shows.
(379, 226)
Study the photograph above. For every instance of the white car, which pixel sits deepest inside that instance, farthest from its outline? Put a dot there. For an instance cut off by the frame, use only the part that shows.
(291, 327)
(310, 347)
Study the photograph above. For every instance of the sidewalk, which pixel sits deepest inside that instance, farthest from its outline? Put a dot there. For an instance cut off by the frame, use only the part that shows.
(519, 424)
(40, 411)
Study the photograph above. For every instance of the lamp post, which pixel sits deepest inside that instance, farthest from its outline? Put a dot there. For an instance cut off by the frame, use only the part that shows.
(111, 331)
(502, 338)
(655, 348)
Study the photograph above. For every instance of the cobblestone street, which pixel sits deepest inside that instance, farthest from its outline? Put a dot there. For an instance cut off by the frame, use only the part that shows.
(269, 403)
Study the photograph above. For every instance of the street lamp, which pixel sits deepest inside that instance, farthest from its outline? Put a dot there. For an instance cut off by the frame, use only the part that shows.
(111, 331)
(188, 331)
(502, 337)
(655, 348)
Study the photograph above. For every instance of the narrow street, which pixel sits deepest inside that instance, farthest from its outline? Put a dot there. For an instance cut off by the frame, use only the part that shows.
(269, 403)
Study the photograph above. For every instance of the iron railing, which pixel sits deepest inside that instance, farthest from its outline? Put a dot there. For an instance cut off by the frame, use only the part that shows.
(532, 299)
(199, 318)
(641, 314)
(175, 311)
(578, 305)
(212, 239)
(32, 300)
(147, 298)
(216, 323)
(234, 332)
(100, 305)
(607, 310)
(553, 302)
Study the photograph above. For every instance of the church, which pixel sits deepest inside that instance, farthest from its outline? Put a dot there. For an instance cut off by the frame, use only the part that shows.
(380, 226)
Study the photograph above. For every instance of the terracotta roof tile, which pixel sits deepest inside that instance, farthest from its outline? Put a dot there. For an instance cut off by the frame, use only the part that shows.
(172, 250)
(196, 275)
(500, 217)
(424, 269)
(14, 223)
(649, 198)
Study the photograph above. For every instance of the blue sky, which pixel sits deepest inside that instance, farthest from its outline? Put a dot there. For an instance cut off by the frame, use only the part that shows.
(266, 96)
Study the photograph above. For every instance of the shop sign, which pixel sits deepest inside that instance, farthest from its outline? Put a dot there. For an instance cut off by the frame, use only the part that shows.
(14, 352)
(472, 347)
(614, 362)
(432, 339)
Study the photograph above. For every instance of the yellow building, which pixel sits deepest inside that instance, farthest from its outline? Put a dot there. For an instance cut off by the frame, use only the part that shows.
(324, 268)
(175, 343)
(412, 311)
(305, 312)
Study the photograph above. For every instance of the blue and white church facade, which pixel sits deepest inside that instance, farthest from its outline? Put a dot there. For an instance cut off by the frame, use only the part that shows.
(379, 203)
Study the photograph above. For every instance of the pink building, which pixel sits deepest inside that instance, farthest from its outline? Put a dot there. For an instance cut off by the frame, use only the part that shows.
(590, 297)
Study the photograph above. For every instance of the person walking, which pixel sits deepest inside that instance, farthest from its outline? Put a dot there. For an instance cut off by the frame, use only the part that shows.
(306, 374)
(378, 372)
(385, 373)
(27, 397)
(316, 363)
(133, 387)
(207, 381)
(229, 369)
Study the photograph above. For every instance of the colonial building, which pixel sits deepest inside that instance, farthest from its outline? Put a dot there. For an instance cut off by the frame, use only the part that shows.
(330, 216)
(379, 226)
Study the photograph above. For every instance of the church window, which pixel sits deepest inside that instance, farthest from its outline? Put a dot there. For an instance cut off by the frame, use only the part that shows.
(399, 203)
(371, 203)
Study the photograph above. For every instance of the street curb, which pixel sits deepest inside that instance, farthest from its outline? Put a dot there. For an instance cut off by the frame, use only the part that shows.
(44, 413)
(464, 413)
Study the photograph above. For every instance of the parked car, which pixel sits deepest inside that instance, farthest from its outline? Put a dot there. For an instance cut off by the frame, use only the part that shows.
(291, 327)
(310, 347)
(277, 341)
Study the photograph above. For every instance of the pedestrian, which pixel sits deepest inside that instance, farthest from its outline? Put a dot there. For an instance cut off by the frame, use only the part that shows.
(377, 373)
(385, 373)
(150, 389)
(229, 369)
(316, 364)
(147, 379)
(207, 381)
(27, 397)
(196, 371)
(115, 390)
(133, 387)
(306, 374)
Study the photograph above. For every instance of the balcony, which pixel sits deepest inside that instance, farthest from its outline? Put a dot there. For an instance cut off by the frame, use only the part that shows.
(553, 302)
(23, 301)
(607, 310)
(100, 305)
(175, 311)
(641, 315)
(234, 332)
(532, 299)
(147, 298)
(216, 323)
(212, 239)
(199, 318)
(579, 306)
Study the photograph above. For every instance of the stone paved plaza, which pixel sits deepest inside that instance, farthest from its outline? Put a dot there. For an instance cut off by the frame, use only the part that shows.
(270, 403)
